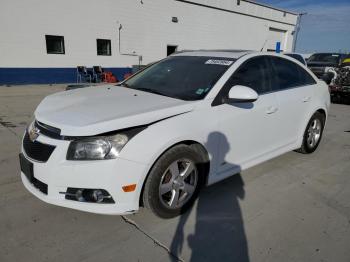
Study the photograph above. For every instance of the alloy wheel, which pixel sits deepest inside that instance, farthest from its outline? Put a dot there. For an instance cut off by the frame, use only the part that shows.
(314, 133)
(178, 183)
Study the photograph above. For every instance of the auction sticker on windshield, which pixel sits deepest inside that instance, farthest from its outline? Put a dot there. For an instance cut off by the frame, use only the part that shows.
(219, 62)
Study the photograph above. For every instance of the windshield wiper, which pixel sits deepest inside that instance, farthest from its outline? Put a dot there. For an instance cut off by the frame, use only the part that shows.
(123, 84)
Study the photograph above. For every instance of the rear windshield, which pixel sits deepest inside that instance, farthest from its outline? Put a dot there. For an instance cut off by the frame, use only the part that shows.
(182, 77)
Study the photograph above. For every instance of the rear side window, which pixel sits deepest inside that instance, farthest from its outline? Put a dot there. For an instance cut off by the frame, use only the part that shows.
(288, 74)
(305, 77)
(255, 73)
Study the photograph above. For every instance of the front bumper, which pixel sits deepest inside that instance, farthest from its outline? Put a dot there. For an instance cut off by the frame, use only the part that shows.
(111, 175)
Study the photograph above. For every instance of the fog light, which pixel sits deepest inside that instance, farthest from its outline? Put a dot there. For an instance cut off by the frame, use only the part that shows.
(79, 195)
(88, 195)
(97, 196)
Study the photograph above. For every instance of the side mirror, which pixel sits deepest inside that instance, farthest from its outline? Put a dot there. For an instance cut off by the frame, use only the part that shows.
(242, 94)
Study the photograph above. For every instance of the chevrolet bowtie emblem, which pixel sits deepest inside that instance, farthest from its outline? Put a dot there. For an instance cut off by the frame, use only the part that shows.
(33, 134)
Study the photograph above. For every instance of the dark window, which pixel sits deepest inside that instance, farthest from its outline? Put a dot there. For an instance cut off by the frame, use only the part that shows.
(171, 49)
(54, 44)
(305, 78)
(255, 73)
(104, 47)
(325, 58)
(289, 74)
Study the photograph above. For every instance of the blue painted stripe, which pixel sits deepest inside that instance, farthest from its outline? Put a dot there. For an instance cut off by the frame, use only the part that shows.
(278, 47)
(20, 76)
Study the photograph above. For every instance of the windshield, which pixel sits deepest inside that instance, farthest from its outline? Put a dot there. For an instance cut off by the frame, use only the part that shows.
(182, 77)
(326, 58)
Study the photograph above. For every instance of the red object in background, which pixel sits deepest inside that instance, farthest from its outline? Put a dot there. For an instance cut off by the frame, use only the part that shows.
(127, 75)
(108, 77)
(333, 88)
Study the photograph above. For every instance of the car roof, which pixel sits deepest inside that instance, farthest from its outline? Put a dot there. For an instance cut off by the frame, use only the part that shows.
(215, 53)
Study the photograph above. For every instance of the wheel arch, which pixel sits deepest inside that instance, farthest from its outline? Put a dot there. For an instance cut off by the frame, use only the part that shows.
(321, 110)
(199, 147)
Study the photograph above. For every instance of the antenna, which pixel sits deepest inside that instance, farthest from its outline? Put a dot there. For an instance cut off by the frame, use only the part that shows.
(263, 46)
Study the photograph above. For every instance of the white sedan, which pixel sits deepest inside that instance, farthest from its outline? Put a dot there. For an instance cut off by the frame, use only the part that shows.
(192, 119)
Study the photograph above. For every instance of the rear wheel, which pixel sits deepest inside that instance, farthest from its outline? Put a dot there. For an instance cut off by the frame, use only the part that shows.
(174, 181)
(313, 134)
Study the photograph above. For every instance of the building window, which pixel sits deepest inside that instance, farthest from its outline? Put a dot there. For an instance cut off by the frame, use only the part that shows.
(54, 44)
(170, 49)
(238, 2)
(104, 47)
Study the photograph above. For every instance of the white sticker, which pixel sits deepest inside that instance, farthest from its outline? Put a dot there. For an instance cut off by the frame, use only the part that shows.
(219, 62)
(336, 55)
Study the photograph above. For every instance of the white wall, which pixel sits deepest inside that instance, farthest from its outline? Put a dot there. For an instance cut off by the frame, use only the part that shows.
(147, 29)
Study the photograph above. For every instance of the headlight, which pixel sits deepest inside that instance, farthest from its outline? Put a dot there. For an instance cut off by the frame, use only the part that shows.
(30, 127)
(99, 147)
(31, 124)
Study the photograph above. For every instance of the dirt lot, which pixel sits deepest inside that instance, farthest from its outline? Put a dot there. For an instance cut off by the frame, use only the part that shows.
(292, 208)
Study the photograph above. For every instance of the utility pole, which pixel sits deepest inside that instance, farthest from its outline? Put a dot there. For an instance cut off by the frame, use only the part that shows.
(297, 29)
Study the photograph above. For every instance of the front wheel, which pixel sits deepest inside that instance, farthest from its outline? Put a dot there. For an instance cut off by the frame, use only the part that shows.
(174, 181)
(312, 134)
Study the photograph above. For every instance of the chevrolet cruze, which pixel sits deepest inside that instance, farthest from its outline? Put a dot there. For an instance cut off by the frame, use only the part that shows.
(192, 119)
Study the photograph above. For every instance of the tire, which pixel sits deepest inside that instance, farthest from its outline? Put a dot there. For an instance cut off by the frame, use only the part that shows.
(313, 129)
(169, 182)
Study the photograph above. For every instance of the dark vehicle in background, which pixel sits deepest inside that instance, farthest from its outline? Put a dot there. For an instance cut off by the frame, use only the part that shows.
(296, 56)
(319, 63)
(339, 82)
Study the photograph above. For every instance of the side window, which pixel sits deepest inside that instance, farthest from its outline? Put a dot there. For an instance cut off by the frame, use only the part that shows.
(289, 74)
(305, 77)
(254, 73)
(54, 44)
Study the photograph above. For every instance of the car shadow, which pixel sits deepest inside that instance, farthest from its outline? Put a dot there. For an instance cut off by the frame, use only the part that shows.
(219, 233)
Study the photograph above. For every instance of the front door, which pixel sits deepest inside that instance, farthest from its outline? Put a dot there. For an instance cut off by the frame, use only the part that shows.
(248, 129)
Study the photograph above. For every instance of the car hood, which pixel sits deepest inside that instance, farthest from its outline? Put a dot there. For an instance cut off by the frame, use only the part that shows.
(96, 110)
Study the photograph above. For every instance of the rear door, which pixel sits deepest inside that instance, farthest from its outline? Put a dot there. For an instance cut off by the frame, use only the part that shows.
(294, 87)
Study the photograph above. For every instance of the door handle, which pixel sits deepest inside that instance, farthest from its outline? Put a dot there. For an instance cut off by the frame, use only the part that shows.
(306, 99)
(271, 110)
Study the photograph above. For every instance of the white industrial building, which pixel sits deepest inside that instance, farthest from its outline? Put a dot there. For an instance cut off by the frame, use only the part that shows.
(43, 41)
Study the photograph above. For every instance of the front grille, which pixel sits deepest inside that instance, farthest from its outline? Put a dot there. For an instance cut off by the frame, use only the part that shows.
(36, 150)
(27, 169)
